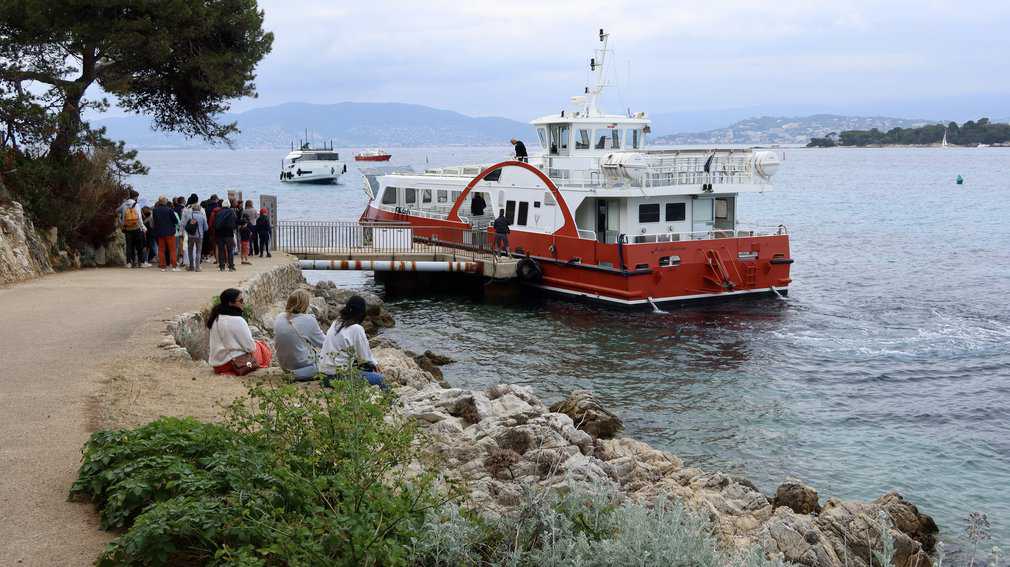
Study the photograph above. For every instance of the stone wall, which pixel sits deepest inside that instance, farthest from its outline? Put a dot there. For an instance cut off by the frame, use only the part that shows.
(187, 334)
(24, 254)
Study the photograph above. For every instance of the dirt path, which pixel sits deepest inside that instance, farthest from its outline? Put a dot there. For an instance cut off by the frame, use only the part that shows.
(61, 336)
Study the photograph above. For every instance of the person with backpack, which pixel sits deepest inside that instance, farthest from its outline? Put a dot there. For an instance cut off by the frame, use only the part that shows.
(263, 232)
(194, 224)
(150, 241)
(165, 224)
(251, 214)
(225, 223)
(245, 239)
(130, 220)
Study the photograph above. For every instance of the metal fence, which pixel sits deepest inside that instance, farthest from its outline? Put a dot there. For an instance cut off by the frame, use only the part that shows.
(350, 239)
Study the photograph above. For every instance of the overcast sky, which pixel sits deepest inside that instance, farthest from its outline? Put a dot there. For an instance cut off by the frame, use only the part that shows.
(523, 59)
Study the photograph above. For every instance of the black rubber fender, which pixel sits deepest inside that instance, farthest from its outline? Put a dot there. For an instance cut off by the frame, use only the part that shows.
(529, 270)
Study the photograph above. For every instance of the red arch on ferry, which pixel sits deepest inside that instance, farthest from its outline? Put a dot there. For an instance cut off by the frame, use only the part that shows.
(567, 229)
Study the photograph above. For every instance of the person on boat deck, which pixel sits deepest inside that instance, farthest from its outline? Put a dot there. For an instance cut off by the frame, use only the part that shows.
(346, 345)
(501, 232)
(230, 336)
(520, 147)
(477, 205)
(297, 337)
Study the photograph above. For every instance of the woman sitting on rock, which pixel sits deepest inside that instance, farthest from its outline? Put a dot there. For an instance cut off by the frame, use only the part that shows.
(230, 336)
(297, 337)
(346, 339)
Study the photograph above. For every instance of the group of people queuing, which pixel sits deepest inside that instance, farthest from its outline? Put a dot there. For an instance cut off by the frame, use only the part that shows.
(184, 233)
(301, 346)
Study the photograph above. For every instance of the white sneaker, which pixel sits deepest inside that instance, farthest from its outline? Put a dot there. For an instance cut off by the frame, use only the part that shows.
(145, 265)
(175, 269)
(163, 269)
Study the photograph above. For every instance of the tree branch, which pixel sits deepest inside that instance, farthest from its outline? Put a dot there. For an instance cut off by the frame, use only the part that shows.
(14, 75)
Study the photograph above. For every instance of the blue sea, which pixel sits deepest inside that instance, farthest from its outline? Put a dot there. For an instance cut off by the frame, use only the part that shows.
(886, 368)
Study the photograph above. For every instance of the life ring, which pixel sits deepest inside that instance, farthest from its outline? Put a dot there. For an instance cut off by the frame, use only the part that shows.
(528, 270)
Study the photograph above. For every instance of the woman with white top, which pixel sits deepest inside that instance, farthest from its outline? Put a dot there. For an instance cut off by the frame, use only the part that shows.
(230, 336)
(297, 337)
(346, 346)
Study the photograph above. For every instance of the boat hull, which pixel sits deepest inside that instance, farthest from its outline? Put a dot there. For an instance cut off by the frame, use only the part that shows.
(372, 158)
(638, 274)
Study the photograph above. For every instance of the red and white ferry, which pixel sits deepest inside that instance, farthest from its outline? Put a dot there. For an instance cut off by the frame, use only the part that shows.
(373, 155)
(598, 215)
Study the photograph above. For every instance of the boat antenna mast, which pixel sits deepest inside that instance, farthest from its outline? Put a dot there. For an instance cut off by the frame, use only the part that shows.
(593, 93)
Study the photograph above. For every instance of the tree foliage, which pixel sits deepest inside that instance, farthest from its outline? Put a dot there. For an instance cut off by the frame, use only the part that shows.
(970, 133)
(179, 61)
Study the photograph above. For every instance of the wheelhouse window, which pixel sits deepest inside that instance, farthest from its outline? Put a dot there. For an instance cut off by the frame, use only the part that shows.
(559, 139)
(542, 132)
(582, 139)
(608, 139)
(389, 196)
(636, 138)
(676, 212)
(410, 195)
(615, 138)
(425, 195)
(443, 196)
(455, 195)
(648, 213)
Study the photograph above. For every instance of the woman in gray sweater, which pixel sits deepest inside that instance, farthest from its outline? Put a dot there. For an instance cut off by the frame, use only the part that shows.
(297, 337)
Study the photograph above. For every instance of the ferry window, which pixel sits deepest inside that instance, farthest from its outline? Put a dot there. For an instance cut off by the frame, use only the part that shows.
(648, 213)
(615, 139)
(582, 140)
(443, 196)
(524, 211)
(634, 138)
(536, 204)
(664, 261)
(721, 209)
(549, 199)
(494, 175)
(389, 196)
(410, 195)
(425, 195)
(510, 211)
(669, 261)
(676, 212)
(542, 132)
(455, 195)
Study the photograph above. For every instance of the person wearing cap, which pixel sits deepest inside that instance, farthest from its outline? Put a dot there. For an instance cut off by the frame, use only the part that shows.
(346, 346)
(520, 147)
(262, 232)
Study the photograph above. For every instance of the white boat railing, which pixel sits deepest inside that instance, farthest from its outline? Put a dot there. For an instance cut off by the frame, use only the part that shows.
(713, 234)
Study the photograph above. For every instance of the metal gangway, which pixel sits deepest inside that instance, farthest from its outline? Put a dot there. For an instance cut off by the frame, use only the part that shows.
(391, 246)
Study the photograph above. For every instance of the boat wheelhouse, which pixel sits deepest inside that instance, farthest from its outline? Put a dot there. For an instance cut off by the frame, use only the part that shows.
(308, 165)
(597, 214)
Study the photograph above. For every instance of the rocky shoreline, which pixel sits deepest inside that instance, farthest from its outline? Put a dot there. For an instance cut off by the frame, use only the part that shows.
(503, 440)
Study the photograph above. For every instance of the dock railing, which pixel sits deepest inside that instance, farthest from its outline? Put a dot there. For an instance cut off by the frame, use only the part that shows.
(351, 238)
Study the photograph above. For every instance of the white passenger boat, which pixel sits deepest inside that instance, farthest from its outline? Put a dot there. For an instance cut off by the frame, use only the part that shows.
(309, 165)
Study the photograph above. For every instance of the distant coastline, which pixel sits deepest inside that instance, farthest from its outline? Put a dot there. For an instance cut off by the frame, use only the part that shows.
(981, 133)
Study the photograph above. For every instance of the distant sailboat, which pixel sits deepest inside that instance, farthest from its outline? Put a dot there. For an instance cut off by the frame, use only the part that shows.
(943, 144)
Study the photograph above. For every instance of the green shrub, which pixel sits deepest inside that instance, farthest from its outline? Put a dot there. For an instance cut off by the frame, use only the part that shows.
(292, 477)
(588, 526)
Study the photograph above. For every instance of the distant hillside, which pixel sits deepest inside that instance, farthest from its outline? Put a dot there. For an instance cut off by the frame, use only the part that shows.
(786, 130)
(346, 124)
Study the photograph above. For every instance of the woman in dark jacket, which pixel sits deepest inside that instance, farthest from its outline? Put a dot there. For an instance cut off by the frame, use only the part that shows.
(264, 231)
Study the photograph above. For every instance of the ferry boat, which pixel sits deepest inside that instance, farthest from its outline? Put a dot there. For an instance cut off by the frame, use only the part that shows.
(309, 165)
(598, 215)
(373, 155)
